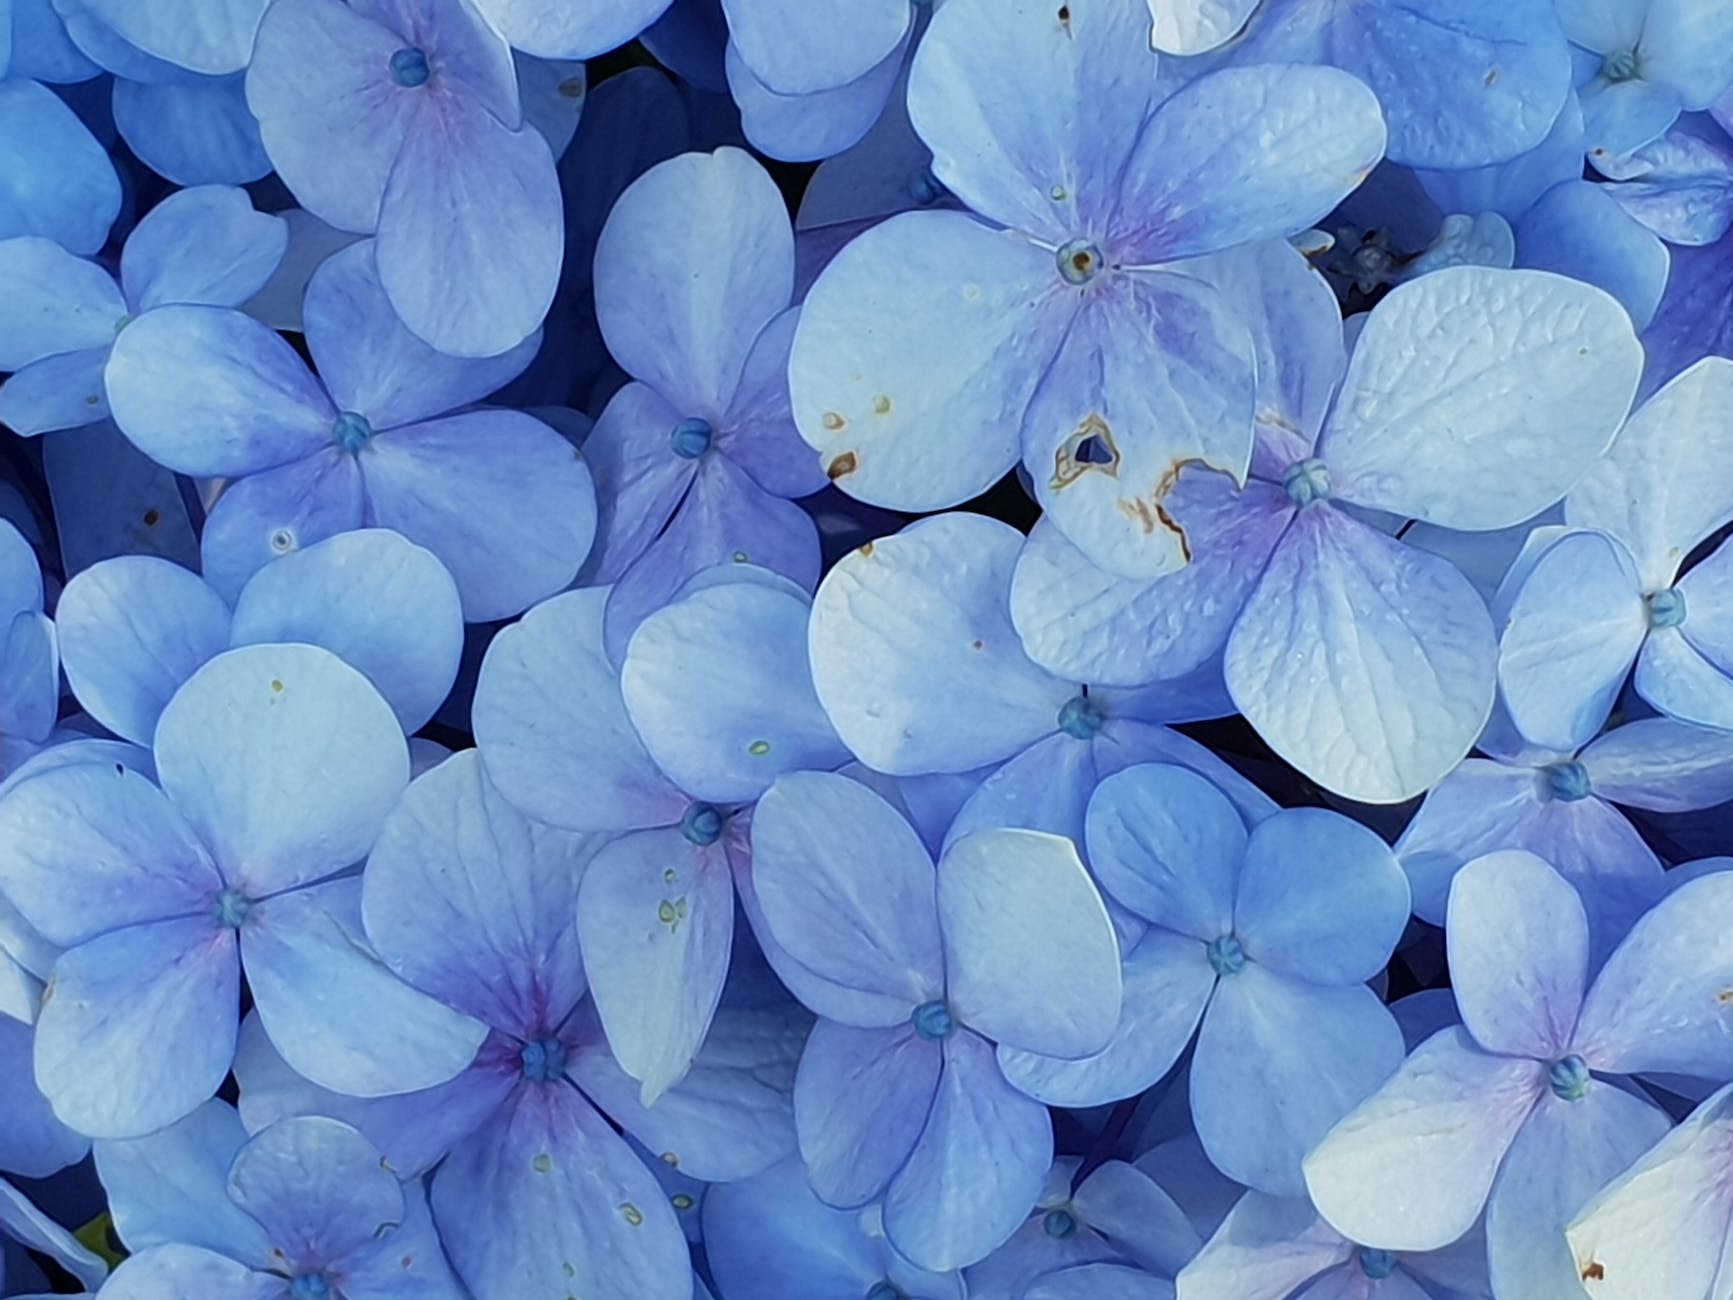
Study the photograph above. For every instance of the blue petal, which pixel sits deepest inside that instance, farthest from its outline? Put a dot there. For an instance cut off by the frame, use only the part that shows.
(172, 1186)
(318, 1188)
(453, 186)
(141, 1026)
(267, 515)
(555, 30)
(206, 390)
(205, 245)
(1410, 648)
(547, 1196)
(475, 905)
(1519, 954)
(847, 888)
(173, 1270)
(504, 502)
(1245, 154)
(861, 1102)
(1579, 230)
(1019, 913)
(93, 847)
(40, 137)
(382, 604)
(334, 1010)
(35, 1143)
(56, 302)
(553, 729)
(65, 391)
(209, 36)
(194, 133)
(656, 921)
(799, 48)
(805, 128)
(264, 719)
(132, 630)
(978, 1167)
(889, 428)
(912, 633)
(719, 687)
(373, 365)
(1278, 1062)
(681, 303)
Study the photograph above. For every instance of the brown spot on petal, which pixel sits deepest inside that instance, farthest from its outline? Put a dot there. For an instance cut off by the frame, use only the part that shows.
(845, 464)
(1080, 453)
(1594, 1272)
(1724, 997)
(152, 518)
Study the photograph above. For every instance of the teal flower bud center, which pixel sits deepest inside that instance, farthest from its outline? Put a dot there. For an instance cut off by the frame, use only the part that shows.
(1377, 1264)
(702, 824)
(409, 67)
(544, 1060)
(1569, 1078)
(1080, 719)
(351, 432)
(1667, 608)
(1060, 1224)
(231, 909)
(1569, 781)
(691, 438)
(932, 1021)
(1307, 481)
(1226, 955)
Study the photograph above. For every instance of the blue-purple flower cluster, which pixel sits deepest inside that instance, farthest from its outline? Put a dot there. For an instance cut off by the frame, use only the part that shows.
(866, 649)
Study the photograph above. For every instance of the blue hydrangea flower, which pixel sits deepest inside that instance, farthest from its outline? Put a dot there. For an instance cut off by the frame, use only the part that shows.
(1592, 603)
(713, 704)
(695, 458)
(1260, 944)
(25, 1223)
(382, 437)
(1561, 806)
(1662, 1226)
(404, 120)
(1640, 62)
(917, 973)
(1066, 337)
(276, 766)
(921, 671)
(58, 325)
(1116, 1214)
(477, 906)
(1520, 1109)
(1269, 1248)
(134, 628)
(303, 1210)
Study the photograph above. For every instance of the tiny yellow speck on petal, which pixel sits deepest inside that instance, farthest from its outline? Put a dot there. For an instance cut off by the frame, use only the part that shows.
(683, 1202)
(276, 686)
(671, 1160)
(544, 1163)
(633, 1214)
(758, 748)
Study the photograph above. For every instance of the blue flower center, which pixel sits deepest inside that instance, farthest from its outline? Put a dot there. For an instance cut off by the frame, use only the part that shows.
(932, 1021)
(1569, 781)
(409, 67)
(1620, 65)
(544, 1060)
(1377, 1264)
(1060, 1224)
(231, 909)
(924, 187)
(886, 1291)
(351, 432)
(1667, 608)
(1080, 719)
(1569, 1078)
(310, 1286)
(1079, 261)
(1226, 956)
(1307, 481)
(691, 438)
(702, 824)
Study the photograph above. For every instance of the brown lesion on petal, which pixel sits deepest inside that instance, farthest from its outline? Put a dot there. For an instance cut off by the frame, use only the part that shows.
(1091, 447)
(1151, 513)
(1065, 18)
(845, 464)
(1593, 1271)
